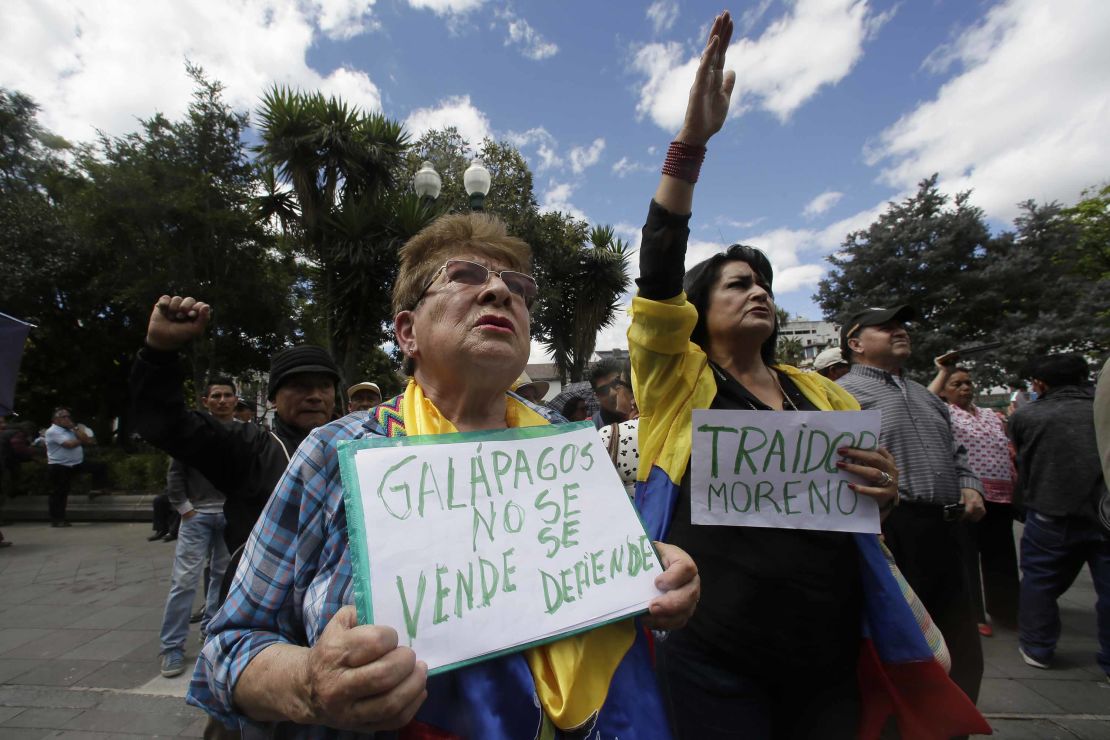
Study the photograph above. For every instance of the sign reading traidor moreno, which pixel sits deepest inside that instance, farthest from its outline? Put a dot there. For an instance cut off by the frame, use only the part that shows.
(778, 469)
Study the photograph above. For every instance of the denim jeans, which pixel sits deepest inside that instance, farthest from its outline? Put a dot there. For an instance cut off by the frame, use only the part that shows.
(199, 535)
(1053, 551)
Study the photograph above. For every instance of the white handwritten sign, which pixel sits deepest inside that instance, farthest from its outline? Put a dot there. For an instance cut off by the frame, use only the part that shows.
(778, 469)
(472, 545)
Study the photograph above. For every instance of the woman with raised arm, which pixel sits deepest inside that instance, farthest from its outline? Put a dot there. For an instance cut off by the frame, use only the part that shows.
(774, 648)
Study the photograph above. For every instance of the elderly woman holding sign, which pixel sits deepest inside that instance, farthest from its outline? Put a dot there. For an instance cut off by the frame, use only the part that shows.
(774, 649)
(287, 647)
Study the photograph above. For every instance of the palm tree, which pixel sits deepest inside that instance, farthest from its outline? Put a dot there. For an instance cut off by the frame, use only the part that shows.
(584, 275)
(334, 170)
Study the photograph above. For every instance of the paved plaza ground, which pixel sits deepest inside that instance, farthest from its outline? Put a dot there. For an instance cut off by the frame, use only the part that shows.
(80, 610)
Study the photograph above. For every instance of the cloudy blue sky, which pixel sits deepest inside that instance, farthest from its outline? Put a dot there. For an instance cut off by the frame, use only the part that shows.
(841, 105)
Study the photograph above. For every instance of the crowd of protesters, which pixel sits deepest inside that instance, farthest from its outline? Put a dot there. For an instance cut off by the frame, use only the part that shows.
(757, 631)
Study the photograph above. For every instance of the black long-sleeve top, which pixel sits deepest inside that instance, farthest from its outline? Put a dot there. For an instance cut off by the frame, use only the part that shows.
(243, 461)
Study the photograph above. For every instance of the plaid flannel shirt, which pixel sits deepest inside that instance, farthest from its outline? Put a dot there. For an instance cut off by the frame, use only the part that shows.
(294, 576)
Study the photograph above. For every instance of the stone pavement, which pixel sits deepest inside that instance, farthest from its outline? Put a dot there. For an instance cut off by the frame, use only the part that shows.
(80, 610)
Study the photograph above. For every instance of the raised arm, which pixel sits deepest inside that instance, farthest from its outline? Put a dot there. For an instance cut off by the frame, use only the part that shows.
(706, 110)
(221, 452)
(665, 234)
(945, 364)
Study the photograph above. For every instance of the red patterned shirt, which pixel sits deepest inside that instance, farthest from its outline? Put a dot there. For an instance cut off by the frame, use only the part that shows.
(988, 450)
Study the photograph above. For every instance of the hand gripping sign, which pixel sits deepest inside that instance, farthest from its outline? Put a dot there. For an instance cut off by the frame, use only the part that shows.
(476, 544)
(778, 469)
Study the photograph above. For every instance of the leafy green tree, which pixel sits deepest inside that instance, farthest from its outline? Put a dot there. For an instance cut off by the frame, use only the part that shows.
(1037, 288)
(169, 208)
(1035, 295)
(1091, 215)
(925, 251)
(583, 273)
(346, 213)
(511, 196)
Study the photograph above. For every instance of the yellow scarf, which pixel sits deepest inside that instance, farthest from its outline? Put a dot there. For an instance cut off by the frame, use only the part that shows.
(572, 675)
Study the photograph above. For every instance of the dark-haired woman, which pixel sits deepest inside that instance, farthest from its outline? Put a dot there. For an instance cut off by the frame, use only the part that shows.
(774, 647)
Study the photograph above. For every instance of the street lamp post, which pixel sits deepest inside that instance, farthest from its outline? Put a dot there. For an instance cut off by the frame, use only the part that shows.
(426, 182)
(476, 181)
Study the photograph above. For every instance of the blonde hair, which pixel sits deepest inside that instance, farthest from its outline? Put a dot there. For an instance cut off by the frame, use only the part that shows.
(449, 236)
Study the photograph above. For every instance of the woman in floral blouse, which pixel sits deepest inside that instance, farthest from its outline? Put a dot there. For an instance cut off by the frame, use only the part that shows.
(983, 433)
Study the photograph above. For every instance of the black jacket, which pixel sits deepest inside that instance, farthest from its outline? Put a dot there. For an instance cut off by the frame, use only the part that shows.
(244, 461)
(1059, 472)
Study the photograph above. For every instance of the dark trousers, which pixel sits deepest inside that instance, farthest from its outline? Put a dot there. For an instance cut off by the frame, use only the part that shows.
(61, 479)
(706, 701)
(166, 519)
(994, 534)
(928, 552)
(1053, 551)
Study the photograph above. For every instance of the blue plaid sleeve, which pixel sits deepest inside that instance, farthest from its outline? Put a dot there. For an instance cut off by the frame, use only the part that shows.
(296, 549)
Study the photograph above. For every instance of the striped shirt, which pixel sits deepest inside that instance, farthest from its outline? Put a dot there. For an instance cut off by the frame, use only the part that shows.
(917, 430)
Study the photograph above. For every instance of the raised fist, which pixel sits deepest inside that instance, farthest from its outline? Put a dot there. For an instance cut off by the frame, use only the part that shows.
(175, 321)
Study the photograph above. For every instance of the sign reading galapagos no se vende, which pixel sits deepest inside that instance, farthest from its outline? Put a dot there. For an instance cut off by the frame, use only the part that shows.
(778, 469)
(475, 544)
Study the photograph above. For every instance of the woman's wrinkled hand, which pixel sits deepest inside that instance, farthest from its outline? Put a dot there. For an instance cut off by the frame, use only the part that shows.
(681, 587)
(357, 678)
(878, 469)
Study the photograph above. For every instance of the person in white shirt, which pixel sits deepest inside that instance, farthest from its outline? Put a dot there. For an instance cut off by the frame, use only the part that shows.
(65, 457)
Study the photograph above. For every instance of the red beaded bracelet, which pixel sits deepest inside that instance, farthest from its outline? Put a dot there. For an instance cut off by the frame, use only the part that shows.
(684, 161)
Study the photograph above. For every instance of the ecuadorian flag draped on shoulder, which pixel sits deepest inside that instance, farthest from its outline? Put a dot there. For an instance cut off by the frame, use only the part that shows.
(596, 684)
(898, 673)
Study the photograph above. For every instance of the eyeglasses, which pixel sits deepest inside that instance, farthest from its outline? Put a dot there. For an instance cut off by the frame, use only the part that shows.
(613, 385)
(466, 272)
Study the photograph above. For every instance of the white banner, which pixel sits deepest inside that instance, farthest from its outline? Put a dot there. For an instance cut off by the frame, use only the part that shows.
(778, 469)
(471, 545)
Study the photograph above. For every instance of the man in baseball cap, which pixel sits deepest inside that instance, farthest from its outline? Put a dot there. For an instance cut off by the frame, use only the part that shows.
(364, 396)
(936, 486)
(830, 363)
(872, 317)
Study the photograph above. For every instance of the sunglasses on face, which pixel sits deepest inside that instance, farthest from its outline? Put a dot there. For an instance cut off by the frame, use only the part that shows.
(614, 385)
(466, 272)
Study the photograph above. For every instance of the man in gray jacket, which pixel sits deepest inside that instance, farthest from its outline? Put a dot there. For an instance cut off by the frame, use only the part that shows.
(201, 535)
(1060, 483)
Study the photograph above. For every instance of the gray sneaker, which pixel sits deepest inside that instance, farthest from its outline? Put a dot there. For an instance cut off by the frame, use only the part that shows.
(173, 664)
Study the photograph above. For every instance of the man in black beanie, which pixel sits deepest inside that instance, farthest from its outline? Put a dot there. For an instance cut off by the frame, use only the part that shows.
(243, 461)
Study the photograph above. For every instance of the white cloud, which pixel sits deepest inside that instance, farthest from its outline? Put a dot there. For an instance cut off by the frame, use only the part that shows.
(734, 223)
(457, 111)
(1026, 116)
(814, 45)
(615, 335)
(752, 16)
(446, 7)
(557, 198)
(662, 14)
(101, 64)
(625, 167)
(583, 157)
(545, 144)
(527, 39)
(822, 203)
(345, 19)
(352, 85)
